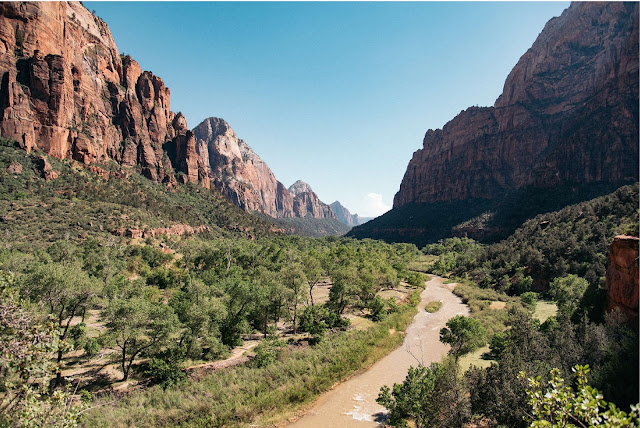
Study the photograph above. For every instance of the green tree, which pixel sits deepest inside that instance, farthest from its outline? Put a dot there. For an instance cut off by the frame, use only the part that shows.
(428, 397)
(64, 291)
(137, 325)
(463, 334)
(295, 280)
(568, 292)
(558, 405)
(26, 349)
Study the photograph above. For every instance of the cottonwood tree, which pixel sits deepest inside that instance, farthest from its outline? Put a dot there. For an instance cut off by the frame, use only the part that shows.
(344, 287)
(295, 280)
(138, 325)
(64, 291)
(463, 334)
(567, 292)
(238, 298)
(313, 272)
(428, 397)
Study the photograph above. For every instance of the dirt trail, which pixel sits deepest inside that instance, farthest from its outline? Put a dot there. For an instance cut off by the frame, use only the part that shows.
(352, 403)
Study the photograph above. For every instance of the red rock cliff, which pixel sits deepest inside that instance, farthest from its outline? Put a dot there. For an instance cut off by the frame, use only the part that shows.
(568, 113)
(66, 90)
(245, 179)
(622, 277)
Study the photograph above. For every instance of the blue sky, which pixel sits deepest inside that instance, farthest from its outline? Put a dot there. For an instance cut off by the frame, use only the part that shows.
(337, 94)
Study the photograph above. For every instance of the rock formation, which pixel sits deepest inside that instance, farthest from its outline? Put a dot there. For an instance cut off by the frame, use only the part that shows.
(246, 180)
(66, 90)
(622, 277)
(568, 114)
(345, 217)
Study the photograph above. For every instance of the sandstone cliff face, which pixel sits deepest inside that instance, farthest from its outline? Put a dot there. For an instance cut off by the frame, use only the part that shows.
(568, 113)
(66, 91)
(622, 277)
(245, 179)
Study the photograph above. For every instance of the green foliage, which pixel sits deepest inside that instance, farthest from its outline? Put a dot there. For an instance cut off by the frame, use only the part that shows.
(561, 406)
(433, 306)
(137, 325)
(529, 299)
(378, 308)
(267, 352)
(296, 377)
(463, 334)
(428, 397)
(568, 292)
(573, 240)
(27, 346)
(165, 369)
(91, 347)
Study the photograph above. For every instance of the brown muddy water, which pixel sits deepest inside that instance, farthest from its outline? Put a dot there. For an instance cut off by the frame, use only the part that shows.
(353, 403)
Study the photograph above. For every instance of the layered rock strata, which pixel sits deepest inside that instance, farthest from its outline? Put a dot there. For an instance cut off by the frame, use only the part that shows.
(568, 113)
(66, 91)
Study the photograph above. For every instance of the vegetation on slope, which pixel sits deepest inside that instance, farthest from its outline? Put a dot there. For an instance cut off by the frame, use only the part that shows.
(482, 219)
(562, 255)
(80, 203)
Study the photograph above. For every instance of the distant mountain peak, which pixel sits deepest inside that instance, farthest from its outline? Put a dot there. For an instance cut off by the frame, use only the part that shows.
(300, 187)
(345, 217)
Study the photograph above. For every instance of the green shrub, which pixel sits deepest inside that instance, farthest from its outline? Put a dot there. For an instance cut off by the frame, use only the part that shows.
(529, 300)
(433, 306)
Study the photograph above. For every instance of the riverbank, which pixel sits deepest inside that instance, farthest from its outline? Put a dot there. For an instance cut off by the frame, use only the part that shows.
(352, 403)
(246, 395)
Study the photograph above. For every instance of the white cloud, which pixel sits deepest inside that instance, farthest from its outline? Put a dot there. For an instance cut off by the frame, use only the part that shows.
(373, 206)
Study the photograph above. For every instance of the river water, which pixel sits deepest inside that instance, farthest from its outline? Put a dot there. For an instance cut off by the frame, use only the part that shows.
(353, 403)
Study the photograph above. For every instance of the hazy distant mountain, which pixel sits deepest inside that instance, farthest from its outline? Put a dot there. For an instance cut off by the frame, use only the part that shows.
(346, 217)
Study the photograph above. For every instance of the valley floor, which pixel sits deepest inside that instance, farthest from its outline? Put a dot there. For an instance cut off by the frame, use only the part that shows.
(353, 403)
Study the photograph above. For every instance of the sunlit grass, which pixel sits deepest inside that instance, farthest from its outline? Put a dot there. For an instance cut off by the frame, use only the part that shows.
(544, 310)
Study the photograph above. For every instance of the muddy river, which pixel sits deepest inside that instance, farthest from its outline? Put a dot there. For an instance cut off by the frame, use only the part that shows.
(353, 403)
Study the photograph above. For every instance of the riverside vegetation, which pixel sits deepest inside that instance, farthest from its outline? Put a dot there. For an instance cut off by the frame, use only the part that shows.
(141, 314)
(559, 256)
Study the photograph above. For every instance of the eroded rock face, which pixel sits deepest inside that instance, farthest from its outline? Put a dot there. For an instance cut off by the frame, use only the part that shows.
(568, 113)
(66, 90)
(245, 179)
(622, 277)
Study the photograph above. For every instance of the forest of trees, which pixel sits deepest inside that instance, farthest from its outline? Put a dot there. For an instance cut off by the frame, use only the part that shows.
(560, 256)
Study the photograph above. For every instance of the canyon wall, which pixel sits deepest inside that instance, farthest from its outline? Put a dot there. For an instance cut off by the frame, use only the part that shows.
(66, 91)
(568, 113)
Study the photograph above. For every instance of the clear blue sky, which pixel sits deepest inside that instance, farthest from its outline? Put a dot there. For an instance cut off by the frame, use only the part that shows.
(336, 94)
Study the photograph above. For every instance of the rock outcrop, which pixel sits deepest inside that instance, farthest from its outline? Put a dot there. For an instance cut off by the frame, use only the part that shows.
(66, 90)
(231, 166)
(345, 217)
(175, 230)
(622, 277)
(568, 114)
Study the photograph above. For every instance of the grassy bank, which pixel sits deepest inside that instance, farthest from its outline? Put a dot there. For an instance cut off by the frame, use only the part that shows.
(248, 395)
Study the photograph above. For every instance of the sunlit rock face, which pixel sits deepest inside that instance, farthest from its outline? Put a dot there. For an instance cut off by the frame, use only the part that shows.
(568, 113)
(66, 90)
(246, 180)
